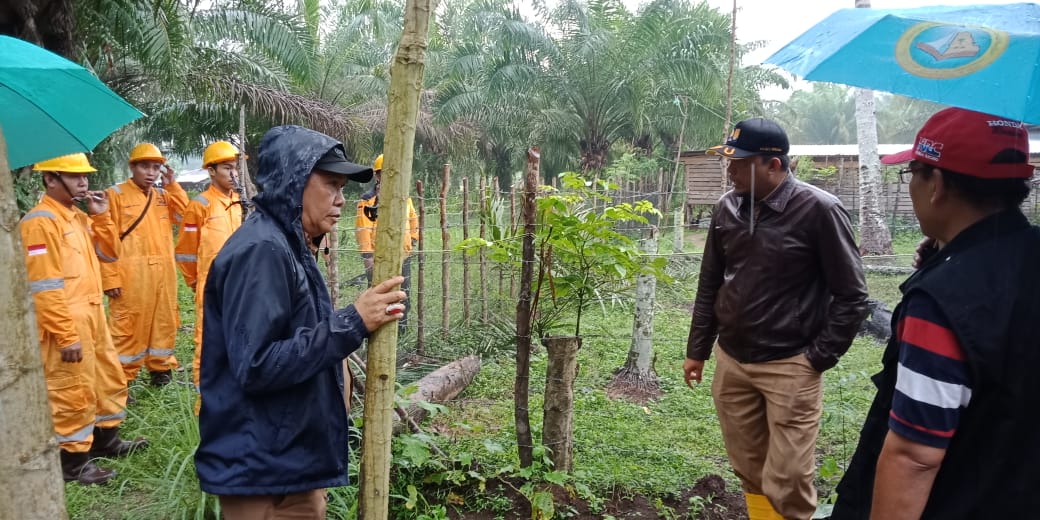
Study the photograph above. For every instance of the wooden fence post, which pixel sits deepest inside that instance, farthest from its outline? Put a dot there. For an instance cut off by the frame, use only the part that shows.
(420, 277)
(445, 256)
(513, 226)
(331, 266)
(679, 231)
(483, 199)
(521, 386)
(465, 257)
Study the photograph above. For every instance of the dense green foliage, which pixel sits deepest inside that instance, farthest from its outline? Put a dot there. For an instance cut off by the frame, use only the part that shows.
(576, 79)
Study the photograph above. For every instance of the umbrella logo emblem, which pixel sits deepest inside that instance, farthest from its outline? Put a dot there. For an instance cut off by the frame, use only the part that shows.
(943, 51)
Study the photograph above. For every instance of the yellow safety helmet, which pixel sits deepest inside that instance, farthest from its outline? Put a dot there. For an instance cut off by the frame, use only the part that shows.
(378, 165)
(72, 163)
(218, 152)
(146, 152)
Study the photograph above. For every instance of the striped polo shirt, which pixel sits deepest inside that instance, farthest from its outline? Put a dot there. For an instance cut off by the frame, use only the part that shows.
(933, 385)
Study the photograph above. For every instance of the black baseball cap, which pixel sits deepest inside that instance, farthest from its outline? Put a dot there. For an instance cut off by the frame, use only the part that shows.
(755, 136)
(335, 161)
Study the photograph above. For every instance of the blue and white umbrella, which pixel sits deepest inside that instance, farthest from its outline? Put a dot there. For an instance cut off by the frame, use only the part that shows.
(981, 57)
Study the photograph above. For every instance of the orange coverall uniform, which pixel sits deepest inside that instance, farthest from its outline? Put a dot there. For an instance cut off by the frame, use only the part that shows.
(208, 222)
(365, 228)
(144, 318)
(63, 246)
(365, 231)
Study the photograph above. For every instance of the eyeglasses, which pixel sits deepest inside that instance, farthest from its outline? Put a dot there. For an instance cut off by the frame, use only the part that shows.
(906, 173)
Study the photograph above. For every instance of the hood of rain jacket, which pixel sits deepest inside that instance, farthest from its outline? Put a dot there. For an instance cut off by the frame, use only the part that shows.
(273, 420)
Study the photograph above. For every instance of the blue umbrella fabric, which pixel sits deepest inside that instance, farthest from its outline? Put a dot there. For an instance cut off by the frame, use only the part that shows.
(50, 106)
(981, 57)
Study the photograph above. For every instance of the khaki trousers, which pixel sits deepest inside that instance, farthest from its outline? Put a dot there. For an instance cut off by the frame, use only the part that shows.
(308, 505)
(770, 415)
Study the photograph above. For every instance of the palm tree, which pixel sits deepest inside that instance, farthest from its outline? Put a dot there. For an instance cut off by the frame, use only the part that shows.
(191, 69)
(491, 68)
(826, 114)
(900, 117)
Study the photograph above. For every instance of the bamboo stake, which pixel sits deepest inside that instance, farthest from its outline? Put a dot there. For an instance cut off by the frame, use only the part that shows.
(406, 73)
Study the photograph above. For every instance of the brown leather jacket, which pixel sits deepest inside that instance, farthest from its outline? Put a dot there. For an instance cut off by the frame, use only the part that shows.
(793, 285)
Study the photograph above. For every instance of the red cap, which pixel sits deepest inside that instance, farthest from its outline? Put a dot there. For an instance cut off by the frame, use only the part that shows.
(972, 143)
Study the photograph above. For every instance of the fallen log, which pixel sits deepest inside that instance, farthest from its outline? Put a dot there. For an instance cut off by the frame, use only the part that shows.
(878, 324)
(440, 386)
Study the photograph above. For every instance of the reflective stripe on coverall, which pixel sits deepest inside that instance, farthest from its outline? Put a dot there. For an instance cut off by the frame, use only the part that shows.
(210, 219)
(144, 318)
(63, 246)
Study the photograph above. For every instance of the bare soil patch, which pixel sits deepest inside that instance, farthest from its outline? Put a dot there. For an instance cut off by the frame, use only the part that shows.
(707, 499)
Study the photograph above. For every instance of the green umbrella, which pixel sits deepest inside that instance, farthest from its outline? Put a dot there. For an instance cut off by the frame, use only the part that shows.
(49, 106)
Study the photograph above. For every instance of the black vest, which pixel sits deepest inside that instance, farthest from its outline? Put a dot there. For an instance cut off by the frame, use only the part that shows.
(986, 282)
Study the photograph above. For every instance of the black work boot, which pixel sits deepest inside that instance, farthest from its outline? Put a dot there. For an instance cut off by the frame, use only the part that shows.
(108, 444)
(161, 378)
(78, 467)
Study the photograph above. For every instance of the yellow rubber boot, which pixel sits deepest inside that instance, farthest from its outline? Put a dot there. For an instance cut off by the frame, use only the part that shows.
(759, 508)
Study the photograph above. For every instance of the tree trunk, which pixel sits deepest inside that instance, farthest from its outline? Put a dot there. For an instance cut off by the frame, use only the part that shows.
(30, 476)
(406, 73)
(637, 379)
(558, 410)
(440, 386)
(243, 168)
(873, 231)
(524, 318)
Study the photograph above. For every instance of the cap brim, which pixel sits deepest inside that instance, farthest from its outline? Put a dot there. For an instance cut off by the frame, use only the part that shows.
(729, 151)
(354, 172)
(898, 158)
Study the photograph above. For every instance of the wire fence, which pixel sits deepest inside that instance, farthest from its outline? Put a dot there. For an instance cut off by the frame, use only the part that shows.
(464, 303)
(451, 291)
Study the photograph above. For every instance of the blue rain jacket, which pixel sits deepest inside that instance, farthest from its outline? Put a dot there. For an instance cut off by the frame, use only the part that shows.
(273, 419)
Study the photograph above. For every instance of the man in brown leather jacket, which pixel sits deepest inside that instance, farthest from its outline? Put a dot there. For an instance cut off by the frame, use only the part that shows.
(782, 291)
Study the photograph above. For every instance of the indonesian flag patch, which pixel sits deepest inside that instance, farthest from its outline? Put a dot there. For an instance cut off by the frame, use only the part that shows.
(190, 228)
(37, 249)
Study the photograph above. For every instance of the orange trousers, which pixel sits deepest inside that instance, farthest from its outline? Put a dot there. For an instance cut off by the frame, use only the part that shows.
(91, 392)
(770, 416)
(144, 318)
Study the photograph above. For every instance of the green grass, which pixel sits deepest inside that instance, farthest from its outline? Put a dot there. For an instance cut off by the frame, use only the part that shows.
(656, 449)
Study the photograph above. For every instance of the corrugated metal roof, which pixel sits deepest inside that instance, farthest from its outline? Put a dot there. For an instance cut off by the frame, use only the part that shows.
(843, 149)
(853, 149)
(836, 150)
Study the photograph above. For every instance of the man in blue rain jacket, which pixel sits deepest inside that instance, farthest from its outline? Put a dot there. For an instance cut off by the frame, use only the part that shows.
(273, 424)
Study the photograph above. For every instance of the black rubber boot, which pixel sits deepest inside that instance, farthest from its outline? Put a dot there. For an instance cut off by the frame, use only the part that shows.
(108, 444)
(78, 467)
(161, 378)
